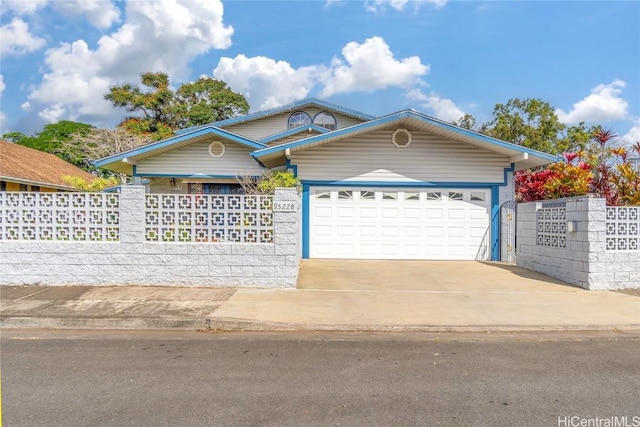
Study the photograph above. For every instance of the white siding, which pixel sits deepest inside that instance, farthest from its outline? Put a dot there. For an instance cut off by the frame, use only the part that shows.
(372, 157)
(195, 159)
(261, 128)
(293, 138)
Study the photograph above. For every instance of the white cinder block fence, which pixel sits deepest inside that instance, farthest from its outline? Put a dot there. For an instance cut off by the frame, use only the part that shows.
(134, 238)
(581, 241)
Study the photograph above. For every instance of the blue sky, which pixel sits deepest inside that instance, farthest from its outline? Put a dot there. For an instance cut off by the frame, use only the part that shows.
(443, 58)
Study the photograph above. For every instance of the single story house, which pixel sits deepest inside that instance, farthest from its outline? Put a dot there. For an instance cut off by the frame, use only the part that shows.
(25, 169)
(400, 186)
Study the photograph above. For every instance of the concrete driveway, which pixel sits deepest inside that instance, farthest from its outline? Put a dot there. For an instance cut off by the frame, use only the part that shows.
(437, 276)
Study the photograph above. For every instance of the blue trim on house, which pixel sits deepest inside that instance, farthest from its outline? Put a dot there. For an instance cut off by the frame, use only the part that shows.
(494, 223)
(306, 228)
(180, 138)
(294, 168)
(420, 184)
(294, 131)
(396, 117)
(196, 176)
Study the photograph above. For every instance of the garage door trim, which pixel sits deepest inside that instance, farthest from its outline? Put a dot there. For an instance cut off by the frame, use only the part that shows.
(492, 187)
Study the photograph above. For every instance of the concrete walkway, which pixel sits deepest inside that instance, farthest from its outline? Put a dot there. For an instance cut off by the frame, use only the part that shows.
(338, 295)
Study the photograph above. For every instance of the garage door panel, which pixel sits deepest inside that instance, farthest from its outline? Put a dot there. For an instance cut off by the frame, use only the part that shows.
(368, 212)
(397, 224)
(456, 213)
(323, 212)
(435, 213)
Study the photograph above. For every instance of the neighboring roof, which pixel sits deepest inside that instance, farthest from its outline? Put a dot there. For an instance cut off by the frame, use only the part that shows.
(306, 128)
(308, 102)
(524, 158)
(117, 162)
(28, 166)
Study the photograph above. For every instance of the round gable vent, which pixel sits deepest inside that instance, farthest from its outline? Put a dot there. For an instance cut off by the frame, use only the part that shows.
(216, 149)
(401, 138)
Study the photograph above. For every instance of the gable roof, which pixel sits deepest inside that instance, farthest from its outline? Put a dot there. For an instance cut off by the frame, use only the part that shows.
(118, 162)
(25, 165)
(290, 132)
(523, 157)
(308, 102)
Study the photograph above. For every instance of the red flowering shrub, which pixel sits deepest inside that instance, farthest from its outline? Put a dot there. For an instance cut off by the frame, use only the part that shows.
(602, 171)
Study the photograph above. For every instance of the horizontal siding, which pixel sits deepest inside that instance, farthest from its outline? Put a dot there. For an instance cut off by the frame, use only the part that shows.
(261, 128)
(195, 159)
(372, 157)
(293, 138)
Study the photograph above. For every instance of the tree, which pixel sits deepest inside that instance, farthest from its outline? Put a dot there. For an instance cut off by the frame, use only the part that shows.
(208, 100)
(158, 110)
(531, 123)
(52, 139)
(467, 122)
(98, 143)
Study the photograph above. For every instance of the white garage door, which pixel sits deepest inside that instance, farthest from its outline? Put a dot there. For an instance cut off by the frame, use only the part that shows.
(377, 223)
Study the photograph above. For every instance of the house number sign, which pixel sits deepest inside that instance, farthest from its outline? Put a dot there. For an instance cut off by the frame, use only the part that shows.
(285, 206)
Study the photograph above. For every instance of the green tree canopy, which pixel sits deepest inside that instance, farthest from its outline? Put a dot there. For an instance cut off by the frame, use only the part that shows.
(52, 139)
(531, 123)
(158, 110)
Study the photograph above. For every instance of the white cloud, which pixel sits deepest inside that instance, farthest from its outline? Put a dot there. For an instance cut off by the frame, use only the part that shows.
(264, 82)
(53, 114)
(16, 38)
(157, 35)
(23, 7)
(633, 136)
(441, 108)
(100, 13)
(370, 66)
(26, 106)
(381, 5)
(2, 85)
(602, 104)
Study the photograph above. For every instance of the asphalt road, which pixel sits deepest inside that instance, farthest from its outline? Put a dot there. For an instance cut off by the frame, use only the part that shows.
(205, 379)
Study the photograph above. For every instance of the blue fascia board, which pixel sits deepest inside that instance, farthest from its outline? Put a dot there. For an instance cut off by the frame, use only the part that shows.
(396, 117)
(294, 105)
(405, 184)
(180, 138)
(294, 131)
(193, 176)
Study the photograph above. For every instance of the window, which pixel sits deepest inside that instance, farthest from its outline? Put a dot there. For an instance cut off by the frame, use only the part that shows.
(367, 195)
(477, 196)
(323, 195)
(434, 195)
(411, 196)
(345, 194)
(299, 118)
(455, 195)
(389, 196)
(325, 120)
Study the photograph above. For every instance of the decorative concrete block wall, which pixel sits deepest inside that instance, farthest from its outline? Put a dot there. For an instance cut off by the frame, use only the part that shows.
(579, 240)
(133, 260)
